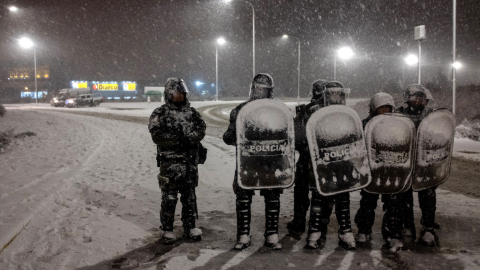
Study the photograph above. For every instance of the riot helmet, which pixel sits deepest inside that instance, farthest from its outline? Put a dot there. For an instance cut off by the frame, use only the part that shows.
(415, 96)
(173, 87)
(380, 100)
(328, 92)
(261, 87)
(318, 87)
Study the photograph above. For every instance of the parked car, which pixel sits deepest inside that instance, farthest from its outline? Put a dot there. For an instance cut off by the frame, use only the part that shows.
(90, 100)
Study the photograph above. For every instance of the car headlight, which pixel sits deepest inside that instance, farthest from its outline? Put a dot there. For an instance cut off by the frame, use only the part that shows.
(56, 101)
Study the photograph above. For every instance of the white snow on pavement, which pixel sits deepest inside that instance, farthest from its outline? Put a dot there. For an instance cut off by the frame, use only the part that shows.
(84, 190)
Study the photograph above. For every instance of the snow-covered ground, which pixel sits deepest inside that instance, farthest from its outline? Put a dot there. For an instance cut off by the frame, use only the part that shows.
(83, 194)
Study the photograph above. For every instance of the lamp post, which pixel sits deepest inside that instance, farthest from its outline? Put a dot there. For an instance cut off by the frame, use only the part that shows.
(298, 65)
(454, 52)
(455, 66)
(253, 32)
(344, 53)
(27, 44)
(220, 41)
(420, 35)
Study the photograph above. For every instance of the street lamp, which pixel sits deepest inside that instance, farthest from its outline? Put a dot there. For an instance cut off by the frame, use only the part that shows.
(298, 65)
(13, 8)
(344, 53)
(457, 65)
(220, 41)
(410, 60)
(27, 43)
(253, 31)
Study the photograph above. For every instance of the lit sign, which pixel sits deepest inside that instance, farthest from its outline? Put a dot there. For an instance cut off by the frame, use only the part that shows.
(77, 85)
(127, 86)
(107, 87)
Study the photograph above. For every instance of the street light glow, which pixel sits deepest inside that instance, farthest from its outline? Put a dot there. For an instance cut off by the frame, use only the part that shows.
(25, 43)
(411, 59)
(345, 53)
(456, 65)
(221, 41)
(285, 36)
(13, 8)
(198, 83)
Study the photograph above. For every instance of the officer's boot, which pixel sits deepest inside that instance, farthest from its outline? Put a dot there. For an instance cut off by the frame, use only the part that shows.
(318, 220)
(167, 215)
(189, 215)
(392, 221)
(300, 207)
(272, 211)
(342, 211)
(427, 199)
(243, 204)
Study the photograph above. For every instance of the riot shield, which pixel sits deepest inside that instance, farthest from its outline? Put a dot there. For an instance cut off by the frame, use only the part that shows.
(265, 145)
(390, 140)
(435, 137)
(337, 148)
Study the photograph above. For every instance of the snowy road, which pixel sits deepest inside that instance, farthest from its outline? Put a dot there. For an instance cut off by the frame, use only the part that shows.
(82, 194)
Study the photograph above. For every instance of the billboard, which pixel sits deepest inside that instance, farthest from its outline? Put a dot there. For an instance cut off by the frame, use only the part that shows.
(121, 86)
(79, 84)
(129, 86)
(106, 87)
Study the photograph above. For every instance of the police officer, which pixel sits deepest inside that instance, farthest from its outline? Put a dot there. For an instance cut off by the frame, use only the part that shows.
(261, 87)
(392, 223)
(321, 207)
(177, 129)
(415, 97)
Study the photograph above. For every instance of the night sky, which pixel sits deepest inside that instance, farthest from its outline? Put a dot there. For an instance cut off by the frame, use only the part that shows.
(141, 40)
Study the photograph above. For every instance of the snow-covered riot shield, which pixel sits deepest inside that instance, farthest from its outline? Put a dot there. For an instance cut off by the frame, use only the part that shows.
(265, 145)
(435, 137)
(390, 140)
(337, 148)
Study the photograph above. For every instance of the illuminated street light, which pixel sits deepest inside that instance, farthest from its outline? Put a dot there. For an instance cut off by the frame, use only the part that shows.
(344, 53)
(13, 8)
(457, 65)
(298, 66)
(253, 30)
(198, 83)
(27, 43)
(411, 60)
(220, 41)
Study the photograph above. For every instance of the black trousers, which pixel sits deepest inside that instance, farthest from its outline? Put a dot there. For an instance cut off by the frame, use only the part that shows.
(427, 200)
(169, 202)
(392, 219)
(321, 208)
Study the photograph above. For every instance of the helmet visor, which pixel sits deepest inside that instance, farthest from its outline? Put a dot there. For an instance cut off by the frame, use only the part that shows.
(335, 96)
(261, 91)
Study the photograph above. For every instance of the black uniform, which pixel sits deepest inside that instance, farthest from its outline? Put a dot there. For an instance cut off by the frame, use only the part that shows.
(244, 196)
(427, 197)
(177, 129)
(392, 206)
(321, 207)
